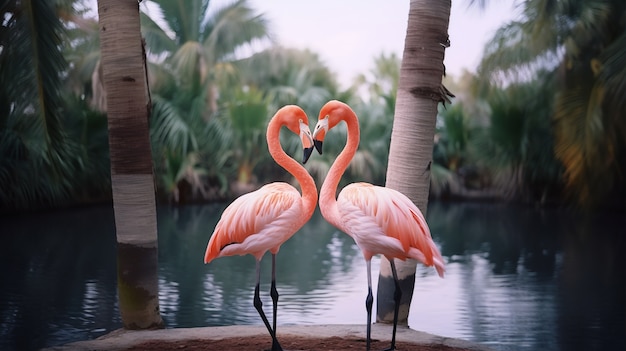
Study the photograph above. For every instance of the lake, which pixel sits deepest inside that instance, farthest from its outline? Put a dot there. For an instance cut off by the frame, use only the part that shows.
(517, 278)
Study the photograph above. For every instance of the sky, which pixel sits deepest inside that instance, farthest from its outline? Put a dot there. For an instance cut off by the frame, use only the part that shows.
(348, 34)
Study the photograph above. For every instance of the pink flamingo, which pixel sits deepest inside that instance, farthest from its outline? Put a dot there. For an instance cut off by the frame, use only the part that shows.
(264, 219)
(380, 220)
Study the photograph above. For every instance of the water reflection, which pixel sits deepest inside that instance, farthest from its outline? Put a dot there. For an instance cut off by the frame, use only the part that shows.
(524, 275)
(58, 278)
(517, 278)
(310, 270)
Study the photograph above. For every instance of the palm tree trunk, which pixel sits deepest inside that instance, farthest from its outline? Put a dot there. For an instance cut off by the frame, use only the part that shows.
(410, 152)
(134, 205)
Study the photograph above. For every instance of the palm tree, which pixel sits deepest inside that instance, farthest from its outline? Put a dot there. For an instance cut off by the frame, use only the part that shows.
(53, 144)
(410, 154)
(450, 152)
(195, 50)
(124, 73)
(248, 115)
(381, 82)
(584, 45)
(36, 167)
(289, 76)
(517, 144)
(82, 51)
(198, 47)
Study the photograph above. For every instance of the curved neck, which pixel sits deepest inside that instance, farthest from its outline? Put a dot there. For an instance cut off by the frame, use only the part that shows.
(309, 191)
(328, 198)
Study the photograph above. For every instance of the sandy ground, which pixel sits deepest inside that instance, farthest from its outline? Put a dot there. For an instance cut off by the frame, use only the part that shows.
(256, 338)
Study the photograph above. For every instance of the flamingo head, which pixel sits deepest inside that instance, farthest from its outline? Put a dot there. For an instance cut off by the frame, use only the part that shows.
(296, 120)
(330, 115)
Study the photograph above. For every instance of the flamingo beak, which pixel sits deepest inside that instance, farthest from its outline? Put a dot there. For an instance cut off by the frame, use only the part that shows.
(319, 133)
(307, 142)
(318, 145)
(308, 151)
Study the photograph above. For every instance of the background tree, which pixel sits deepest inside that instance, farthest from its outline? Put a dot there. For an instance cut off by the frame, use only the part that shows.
(518, 144)
(35, 167)
(410, 154)
(289, 76)
(583, 43)
(198, 45)
(124, 73)
(195, 52)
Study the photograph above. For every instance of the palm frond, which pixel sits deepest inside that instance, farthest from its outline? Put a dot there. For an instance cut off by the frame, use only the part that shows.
(580, 143)
(33, 109)
(441, 179)
(191, 65)
(513, 56)
(184, 18)
(169, 128)
(230, 27)
(158, 41)
(613, 75)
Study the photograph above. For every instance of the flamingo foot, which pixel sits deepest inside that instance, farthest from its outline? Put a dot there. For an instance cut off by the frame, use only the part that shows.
(369, 301)
(276, 346)
(258, 304)
(397, 296)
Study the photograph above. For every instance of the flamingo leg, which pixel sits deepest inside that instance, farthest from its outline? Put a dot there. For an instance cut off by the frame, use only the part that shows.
(258, 304)
(274, 292)
(397, 295)
(369, 301)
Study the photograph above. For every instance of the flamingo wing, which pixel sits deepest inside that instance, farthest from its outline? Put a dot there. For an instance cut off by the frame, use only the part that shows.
(385, 221)
(257, 222)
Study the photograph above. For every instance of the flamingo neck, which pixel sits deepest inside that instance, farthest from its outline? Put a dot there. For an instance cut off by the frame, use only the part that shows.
(328, 199)
(309, 190)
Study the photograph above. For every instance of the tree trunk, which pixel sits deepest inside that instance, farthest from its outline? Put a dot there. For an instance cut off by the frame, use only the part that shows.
(411, 149)
(124, 72)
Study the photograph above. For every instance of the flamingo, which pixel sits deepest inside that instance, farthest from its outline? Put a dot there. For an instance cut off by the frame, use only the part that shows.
(380, 220)
(264, 219)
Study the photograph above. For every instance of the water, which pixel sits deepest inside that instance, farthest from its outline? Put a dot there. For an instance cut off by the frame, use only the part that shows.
(517, 278)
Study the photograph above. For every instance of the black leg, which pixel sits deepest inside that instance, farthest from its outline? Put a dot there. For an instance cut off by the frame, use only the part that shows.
(369, 301)
(259, 307)
(274, 294)
(397, 295)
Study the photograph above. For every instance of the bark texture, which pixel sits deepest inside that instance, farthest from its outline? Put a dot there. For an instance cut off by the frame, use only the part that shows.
(124, 73)
(410, 152)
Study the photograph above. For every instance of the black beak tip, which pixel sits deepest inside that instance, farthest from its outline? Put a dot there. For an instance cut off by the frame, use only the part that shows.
(307, 153)
(318, 145)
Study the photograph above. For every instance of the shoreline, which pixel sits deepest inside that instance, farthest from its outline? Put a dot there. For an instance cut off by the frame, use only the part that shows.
(122, 339)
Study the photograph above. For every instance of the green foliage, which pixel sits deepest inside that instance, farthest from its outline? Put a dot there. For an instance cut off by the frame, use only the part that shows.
(520, 142)
(248, 118)
(557, 95)
(289, 76)
(39, 160)
(457, 153)
(583, 45)
(195, 45)
(381, 82)
(191, 134)
(82, 51)
(171, 129)
(453, 136)
(507, 146)
(189, 153)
